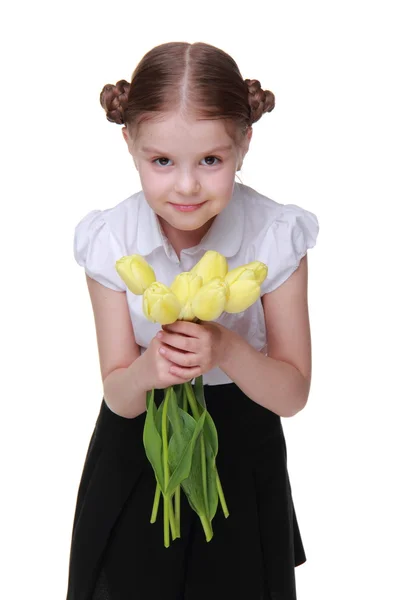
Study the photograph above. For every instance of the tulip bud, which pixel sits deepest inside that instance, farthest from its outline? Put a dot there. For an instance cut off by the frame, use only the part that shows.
(260, 270)
(135, 272)
(212, 264)
(239, 274)
(160, 305)
(185, 286)
(209, 302)
(243, 293)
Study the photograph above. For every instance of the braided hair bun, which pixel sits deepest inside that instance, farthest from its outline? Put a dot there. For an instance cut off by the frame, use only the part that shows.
(114, 98)
(261, 101)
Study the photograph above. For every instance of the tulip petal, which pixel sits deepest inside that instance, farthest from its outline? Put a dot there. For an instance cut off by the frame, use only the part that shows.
(185, 286)
(212, 264)
(160, 305)
(180, 287)
(136, 273)
(260, 270)
(209, 302)
(238, 274)
(242, 295)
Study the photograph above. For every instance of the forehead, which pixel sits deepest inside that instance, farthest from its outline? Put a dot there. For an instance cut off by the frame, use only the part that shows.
(175, 132)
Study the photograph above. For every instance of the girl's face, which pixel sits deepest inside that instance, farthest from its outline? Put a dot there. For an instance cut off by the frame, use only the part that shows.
(184, 164)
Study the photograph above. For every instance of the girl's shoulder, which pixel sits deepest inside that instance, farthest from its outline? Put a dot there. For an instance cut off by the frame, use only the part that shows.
(101, 237)
(262, 212)
(279, 234)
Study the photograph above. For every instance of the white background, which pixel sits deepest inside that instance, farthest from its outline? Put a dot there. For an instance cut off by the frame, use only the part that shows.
(331, 145)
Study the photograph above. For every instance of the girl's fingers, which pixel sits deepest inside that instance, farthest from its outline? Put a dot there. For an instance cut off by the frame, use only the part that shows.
(184, 328)
(177, 340)
(183, 359)
(185, 374)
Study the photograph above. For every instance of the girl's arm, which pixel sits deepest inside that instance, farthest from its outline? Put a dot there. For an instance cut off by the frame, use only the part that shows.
(119, 354)
(280, 381)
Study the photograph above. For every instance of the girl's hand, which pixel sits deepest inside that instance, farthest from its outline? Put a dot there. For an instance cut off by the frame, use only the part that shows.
(192, 348)
(155, 370)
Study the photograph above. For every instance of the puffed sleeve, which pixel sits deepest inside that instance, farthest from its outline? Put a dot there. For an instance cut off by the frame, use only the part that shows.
(285, 243)
(97, 250)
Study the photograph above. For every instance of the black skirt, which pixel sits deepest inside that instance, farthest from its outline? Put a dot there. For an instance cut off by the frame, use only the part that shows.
(117, 554)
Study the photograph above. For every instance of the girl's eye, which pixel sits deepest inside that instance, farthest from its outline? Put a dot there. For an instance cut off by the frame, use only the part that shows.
(162, 158)
(212, 158)
(207, 158)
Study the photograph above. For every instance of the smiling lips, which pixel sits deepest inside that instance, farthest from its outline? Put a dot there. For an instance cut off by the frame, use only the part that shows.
(187, 207)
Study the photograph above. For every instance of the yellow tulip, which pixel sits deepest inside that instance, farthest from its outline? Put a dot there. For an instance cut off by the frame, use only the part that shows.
(136, 272)
(239, 274)
(209, 302)
(212, 264)
(160, 305)
(260, 270)
(242, 294)
(185, 286)
(244, 285)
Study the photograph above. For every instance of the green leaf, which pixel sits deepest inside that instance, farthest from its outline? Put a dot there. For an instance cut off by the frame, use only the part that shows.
(181, 448)
(210, 434)
(210, 431)
(173, 413)
(212, 489)
(211, 445)
(152, 442)
(193, 485)
(148, 396)
(178, 389)
(158, 417)
(199, 390)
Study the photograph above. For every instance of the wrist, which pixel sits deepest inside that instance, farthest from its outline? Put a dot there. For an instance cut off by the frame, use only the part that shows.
(137, 372)
(123, 391)
(230, 341)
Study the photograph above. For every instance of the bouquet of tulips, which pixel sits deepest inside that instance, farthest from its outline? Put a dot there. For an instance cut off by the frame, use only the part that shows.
(182, 447)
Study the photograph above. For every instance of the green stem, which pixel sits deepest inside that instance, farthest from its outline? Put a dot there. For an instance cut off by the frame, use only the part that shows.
(169, 517)
(164, 424)
(204, 471)
(166, 523)
(222, 497)
(172, 520)
(156, 503)
(178, 511)
(192, 400)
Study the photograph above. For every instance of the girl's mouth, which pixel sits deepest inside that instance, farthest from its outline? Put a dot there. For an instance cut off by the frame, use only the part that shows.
(187, 207)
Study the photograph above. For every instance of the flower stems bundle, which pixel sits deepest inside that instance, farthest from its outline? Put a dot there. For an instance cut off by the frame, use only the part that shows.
(180, 437)
(182, 448)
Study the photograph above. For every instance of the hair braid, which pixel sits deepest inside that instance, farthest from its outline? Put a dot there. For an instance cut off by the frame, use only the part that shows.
(114, 98)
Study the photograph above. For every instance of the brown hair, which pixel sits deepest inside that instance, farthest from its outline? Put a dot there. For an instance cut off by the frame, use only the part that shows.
(197, 79)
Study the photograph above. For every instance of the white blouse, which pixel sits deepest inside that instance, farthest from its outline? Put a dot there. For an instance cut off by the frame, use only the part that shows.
(252, 227)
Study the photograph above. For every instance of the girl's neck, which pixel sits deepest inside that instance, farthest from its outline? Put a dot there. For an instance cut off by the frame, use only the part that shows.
(180, 240)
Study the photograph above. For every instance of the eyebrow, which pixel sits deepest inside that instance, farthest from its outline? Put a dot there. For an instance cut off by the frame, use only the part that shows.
(218, 149)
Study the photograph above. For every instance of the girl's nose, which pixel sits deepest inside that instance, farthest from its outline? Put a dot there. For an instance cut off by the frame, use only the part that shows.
(187, 184)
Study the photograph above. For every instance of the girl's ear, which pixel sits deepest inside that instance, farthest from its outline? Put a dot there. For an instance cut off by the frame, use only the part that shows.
(249, 135)
(125, 134)
(245, 147)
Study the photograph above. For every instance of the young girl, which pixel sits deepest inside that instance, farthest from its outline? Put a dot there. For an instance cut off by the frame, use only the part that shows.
(188, 116)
